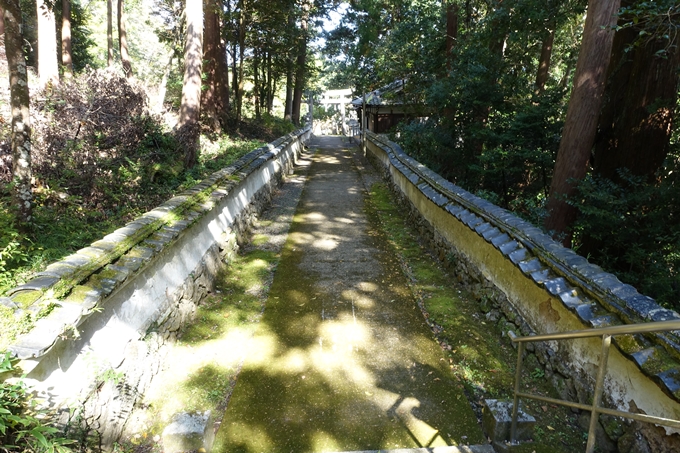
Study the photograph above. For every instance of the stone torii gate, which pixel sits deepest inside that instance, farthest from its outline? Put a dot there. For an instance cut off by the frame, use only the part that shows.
(340, 98)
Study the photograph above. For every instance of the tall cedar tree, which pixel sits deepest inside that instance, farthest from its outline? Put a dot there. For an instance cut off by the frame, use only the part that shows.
(66, 57)
(580, 124)
(215, 102)
(48, 68)
(190, 108)
(300, 70)
(544, 60)
(640, 98)
(21, 119)
(290, 67)
(122, 40)
(109, 33)
(239, 79)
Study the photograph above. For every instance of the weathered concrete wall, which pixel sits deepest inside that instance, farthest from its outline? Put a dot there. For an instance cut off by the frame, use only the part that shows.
(532, 284)
(119, 301)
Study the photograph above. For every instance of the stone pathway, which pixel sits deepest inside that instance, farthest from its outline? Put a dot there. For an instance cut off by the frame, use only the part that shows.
(342, 359)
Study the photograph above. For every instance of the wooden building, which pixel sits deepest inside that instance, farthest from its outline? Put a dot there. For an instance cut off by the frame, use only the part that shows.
(385, 107)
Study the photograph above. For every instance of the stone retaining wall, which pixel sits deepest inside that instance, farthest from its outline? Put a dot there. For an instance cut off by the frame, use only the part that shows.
(114, 306)
(532, 285)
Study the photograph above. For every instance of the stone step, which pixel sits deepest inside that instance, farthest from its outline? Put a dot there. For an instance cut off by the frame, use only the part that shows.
(448, 449)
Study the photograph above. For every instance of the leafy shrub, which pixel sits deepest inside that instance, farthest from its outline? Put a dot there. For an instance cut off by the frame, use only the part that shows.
(22, 426)
(632, 228)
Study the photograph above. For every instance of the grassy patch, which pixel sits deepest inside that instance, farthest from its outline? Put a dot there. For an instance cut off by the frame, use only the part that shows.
(480, 357)
(64, 223)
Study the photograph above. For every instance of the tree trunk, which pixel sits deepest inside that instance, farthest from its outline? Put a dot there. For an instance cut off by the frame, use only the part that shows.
(163, 87)
(270, 84)
(301, 64)
(109, 33)
(637, 112)
(580, 124)
(544, 60)
(190, 108)
(234, 75)
(21, 119)
(288, 109)
(122, 40)
(211, 56)
(66, 58)
(256, 83)
(288, 106)
(48, 67)
(241, 57)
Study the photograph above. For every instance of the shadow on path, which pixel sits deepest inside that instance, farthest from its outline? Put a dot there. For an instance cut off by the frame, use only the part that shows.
(342, 359)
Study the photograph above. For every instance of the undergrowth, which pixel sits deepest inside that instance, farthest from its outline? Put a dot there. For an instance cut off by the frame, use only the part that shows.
(100, 159)
(65, 222)
(23, 427)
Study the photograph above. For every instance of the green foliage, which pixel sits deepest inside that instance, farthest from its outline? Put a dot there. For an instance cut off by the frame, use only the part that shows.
(654, 20)
(632, 229)
(22, 426)
(12, 254)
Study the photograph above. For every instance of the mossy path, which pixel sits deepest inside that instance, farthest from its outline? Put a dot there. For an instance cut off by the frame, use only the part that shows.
(342, 359)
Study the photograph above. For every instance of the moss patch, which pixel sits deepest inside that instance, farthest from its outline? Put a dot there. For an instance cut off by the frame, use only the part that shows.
(481, 358)
(211, 348)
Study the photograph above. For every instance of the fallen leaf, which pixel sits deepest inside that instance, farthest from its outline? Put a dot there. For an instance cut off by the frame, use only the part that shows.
(550, 428)
(545, 408)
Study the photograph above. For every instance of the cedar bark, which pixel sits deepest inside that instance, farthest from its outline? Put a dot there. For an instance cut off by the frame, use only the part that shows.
(580, 124)
(256, 83)
(241, 58)
(48, 67)
(300, 68)
(270, 84)
(290, 67)
(190, 108)
(544, 60)
(122, 40)
(637, 114)
(109, 33)
(66, 57)
(21, 119)
(215, 98)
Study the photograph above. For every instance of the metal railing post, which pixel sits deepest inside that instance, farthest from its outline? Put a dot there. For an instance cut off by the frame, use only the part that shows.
(515, 401)
(597, 397)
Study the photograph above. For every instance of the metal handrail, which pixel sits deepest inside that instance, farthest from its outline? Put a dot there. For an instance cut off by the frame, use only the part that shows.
(606, 333)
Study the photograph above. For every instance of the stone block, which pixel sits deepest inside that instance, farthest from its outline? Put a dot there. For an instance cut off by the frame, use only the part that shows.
(189, 431)
(497, 421)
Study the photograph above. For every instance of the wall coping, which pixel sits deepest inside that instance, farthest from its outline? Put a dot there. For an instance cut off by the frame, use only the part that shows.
(596, 297)
(68, 291)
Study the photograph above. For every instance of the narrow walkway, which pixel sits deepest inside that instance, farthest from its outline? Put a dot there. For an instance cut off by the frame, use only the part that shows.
(342, 360)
